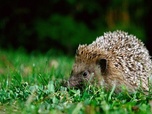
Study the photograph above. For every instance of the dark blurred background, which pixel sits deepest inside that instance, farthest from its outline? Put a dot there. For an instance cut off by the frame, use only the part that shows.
(41, 25)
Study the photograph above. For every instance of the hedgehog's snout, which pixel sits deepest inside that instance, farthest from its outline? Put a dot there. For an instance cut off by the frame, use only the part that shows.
(68, 83)
(72, 82)
(65, 84)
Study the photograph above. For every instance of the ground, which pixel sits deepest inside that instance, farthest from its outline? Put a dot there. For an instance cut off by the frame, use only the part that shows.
(32, 83)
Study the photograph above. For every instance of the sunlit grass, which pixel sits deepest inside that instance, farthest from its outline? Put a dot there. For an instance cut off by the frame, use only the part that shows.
(33, 84)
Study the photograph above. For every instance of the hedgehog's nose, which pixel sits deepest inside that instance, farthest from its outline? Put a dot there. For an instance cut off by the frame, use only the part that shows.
(66, 84)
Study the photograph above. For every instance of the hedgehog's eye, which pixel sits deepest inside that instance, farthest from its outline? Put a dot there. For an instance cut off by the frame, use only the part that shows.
(85, 73)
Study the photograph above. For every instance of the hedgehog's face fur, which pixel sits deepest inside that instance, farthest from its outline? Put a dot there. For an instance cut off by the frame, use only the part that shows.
(83, 73)
(88, 67)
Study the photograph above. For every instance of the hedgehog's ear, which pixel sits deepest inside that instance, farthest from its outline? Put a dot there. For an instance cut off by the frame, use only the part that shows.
(103, 65)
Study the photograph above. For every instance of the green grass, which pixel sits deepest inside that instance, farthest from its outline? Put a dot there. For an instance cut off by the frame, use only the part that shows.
(32, 84)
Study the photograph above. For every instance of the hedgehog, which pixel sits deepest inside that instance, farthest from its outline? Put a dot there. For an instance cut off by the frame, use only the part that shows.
(116, 59)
